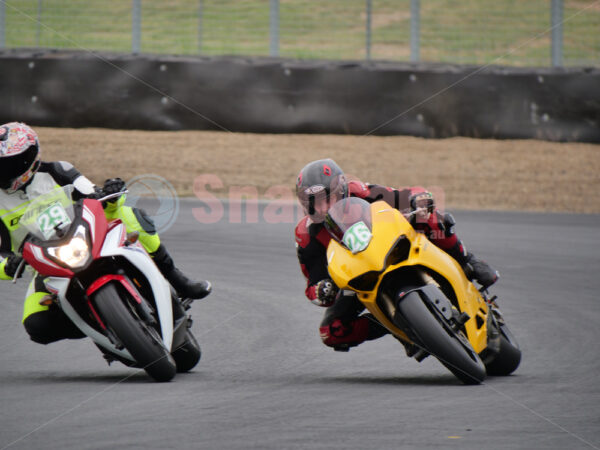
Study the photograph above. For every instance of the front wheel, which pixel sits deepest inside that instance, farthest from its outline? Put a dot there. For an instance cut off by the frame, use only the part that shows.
(142, 341)
(442, 343)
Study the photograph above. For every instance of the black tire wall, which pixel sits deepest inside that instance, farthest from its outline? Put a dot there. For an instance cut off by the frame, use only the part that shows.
(79, 89)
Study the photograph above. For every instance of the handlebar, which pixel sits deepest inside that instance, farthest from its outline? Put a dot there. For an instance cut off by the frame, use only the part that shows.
(114, 195)
(414, 213)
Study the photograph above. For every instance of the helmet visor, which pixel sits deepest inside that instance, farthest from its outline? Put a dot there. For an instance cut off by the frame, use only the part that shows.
(12, 167)
(317, 199)
(314, 201)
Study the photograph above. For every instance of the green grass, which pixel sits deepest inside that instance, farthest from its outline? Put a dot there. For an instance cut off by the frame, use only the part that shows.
(511, 32)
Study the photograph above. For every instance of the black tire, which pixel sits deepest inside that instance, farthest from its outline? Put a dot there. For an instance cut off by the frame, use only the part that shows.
(508, 358)
(142, 341)
(465, 364)
(188, 354)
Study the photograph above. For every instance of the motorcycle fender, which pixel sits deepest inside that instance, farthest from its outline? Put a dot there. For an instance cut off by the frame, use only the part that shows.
(432, 295)
(59, 286)
(160, 287)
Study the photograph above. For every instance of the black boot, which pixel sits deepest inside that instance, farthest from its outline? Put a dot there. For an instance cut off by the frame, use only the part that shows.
(184, 287)
(482, 272)
(474, 268)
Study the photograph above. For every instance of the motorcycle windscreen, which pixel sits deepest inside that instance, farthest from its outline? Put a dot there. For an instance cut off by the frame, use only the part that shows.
(349, 222)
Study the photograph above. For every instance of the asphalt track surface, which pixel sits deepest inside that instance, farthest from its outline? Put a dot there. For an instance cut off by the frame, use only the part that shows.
(267, 382)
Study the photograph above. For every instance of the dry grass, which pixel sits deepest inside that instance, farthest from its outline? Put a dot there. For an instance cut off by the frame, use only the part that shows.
(469, 173)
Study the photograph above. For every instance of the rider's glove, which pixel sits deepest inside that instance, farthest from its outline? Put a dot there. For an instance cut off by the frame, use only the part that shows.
(326, 291)
(112, 186)
(11, 265)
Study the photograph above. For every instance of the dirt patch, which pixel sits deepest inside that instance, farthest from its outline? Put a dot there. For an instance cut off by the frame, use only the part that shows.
(468, 173)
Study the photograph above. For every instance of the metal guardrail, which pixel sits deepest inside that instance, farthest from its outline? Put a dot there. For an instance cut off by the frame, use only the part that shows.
(532, 33)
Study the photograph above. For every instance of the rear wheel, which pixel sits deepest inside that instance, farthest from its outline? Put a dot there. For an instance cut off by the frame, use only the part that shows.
(141, 340)
(508, 358)
(187, 354)
(454, 353)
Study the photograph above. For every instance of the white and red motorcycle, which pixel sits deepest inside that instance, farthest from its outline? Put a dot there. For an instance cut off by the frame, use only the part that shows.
(107, 284)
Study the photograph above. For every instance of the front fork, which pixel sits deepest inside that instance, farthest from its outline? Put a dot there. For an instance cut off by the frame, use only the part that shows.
(495, 320)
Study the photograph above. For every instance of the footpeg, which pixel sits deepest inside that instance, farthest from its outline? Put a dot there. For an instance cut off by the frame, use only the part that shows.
(186, 303)
(462, 318)
(413, 350)
(421, 354)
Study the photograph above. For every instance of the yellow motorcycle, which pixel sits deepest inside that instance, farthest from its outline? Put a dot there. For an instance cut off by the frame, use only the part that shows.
(417, 291)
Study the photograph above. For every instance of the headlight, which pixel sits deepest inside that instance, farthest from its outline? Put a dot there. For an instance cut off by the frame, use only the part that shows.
(76, 253)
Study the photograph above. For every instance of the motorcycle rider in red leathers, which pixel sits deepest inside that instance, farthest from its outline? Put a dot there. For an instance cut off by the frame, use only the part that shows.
(23, 177)
(322, 183)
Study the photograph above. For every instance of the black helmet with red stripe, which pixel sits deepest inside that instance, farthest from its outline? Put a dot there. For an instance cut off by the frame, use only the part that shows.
(320, 184)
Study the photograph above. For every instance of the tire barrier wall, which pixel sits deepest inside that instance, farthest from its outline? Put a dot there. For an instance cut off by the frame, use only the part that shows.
(79, 89)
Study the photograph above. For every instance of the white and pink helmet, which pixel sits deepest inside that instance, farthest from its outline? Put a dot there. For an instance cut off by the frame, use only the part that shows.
(19, 155)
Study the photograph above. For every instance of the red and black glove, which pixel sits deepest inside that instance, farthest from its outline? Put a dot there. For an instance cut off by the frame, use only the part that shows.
(326, 291)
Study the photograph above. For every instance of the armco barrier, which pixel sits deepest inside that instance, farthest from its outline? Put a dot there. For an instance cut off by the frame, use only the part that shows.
(79, 89)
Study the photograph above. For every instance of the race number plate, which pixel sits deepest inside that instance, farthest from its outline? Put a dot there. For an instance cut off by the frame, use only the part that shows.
(52, 217)
(357, 237)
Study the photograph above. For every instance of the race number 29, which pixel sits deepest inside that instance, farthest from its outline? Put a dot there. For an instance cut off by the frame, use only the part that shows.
(51, 217)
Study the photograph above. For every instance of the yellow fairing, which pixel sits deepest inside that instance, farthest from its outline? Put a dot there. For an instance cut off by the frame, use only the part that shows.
(388, 226)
